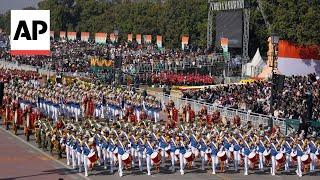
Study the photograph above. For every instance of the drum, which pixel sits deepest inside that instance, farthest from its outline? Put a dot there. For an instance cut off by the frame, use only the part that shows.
(253, 157)
(156, 157)
(92, 157)
(189, 156)
(306, 159)
(126, 159)
(267, 155)
(280, 158)
(222, 155)
(318, 154)
(293, 156)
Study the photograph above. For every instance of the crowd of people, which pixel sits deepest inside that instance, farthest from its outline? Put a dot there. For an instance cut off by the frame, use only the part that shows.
(118, 128)
(169, 78)
(255, 97)
(71, 56)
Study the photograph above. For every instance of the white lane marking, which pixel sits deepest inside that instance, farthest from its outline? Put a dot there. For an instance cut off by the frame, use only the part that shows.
(35, 148)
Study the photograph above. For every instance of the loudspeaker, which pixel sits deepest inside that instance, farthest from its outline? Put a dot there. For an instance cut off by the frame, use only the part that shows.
(1, 92)
(278, 82)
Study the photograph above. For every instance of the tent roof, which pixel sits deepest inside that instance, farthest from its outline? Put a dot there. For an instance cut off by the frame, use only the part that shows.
(257, 59)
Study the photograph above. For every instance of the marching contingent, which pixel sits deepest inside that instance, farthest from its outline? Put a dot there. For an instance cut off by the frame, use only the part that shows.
(120, 129)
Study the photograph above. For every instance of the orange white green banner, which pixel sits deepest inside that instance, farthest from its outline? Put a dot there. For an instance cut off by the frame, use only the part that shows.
(72, 35)
(159, 41)
(184, 41)
(147, 39)
(100, 37)
(129, 37)
(138, 38)
(85, 36)
(63, 35)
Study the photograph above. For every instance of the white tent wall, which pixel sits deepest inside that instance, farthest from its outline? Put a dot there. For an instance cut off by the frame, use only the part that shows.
(255, 67)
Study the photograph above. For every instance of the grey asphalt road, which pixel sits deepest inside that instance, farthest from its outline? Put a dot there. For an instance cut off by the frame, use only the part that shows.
(57, 168)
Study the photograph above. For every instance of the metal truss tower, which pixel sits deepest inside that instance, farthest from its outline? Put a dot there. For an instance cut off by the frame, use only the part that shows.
(215, 5)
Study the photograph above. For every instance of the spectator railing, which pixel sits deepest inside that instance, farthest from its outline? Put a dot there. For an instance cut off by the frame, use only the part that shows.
(228, 113)
(175, 65)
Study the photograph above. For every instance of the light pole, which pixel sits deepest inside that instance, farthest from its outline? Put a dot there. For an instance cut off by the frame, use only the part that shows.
(275, 42)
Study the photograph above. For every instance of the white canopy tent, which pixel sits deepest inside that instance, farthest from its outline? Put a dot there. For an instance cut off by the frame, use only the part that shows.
(254, 68)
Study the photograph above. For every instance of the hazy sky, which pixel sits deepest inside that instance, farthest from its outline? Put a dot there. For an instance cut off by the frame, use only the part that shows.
(6, 5)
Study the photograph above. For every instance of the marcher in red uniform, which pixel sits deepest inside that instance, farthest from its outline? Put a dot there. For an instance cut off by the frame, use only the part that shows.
(188, 114)
(90, 107)
(28, 122)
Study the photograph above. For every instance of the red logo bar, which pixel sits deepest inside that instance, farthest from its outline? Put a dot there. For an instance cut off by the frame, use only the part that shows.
(30, 52)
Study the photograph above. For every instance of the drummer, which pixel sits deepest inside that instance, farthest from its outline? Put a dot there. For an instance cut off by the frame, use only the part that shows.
(163, 145)
(86, 151)
(273, 152)
(182, 150)
(245, 152)
(149, 151)
(203, 149)
(141, 151)
(214, 152)
(236, 152)
(111, 149)
(173, 148)
(261, 148)
(299, 155)
(121, 151)
(287, 149)
(313, 150)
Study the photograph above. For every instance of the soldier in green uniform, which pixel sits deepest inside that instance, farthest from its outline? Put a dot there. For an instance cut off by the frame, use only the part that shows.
(38, 134)
(44, 138)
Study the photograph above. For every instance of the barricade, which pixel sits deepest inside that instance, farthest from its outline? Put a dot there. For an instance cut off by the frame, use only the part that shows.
(228, 113)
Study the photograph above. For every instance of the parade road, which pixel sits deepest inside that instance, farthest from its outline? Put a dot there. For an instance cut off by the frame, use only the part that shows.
(20, 159)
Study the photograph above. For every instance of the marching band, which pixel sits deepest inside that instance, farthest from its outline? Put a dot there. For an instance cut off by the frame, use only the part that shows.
(119, 129)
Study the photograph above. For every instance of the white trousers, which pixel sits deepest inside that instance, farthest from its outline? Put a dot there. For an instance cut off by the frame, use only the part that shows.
(74, 158)
(111, 159)
(120, 165)
(236, 159)
(313, 162)
(68, 154)
(245, 165)
(79, 158)
(149, 165)
(260, 161)
(299, 172)
(140, 160)
(182, 162)
(213, 163)
(85, 164)
(273, 165)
